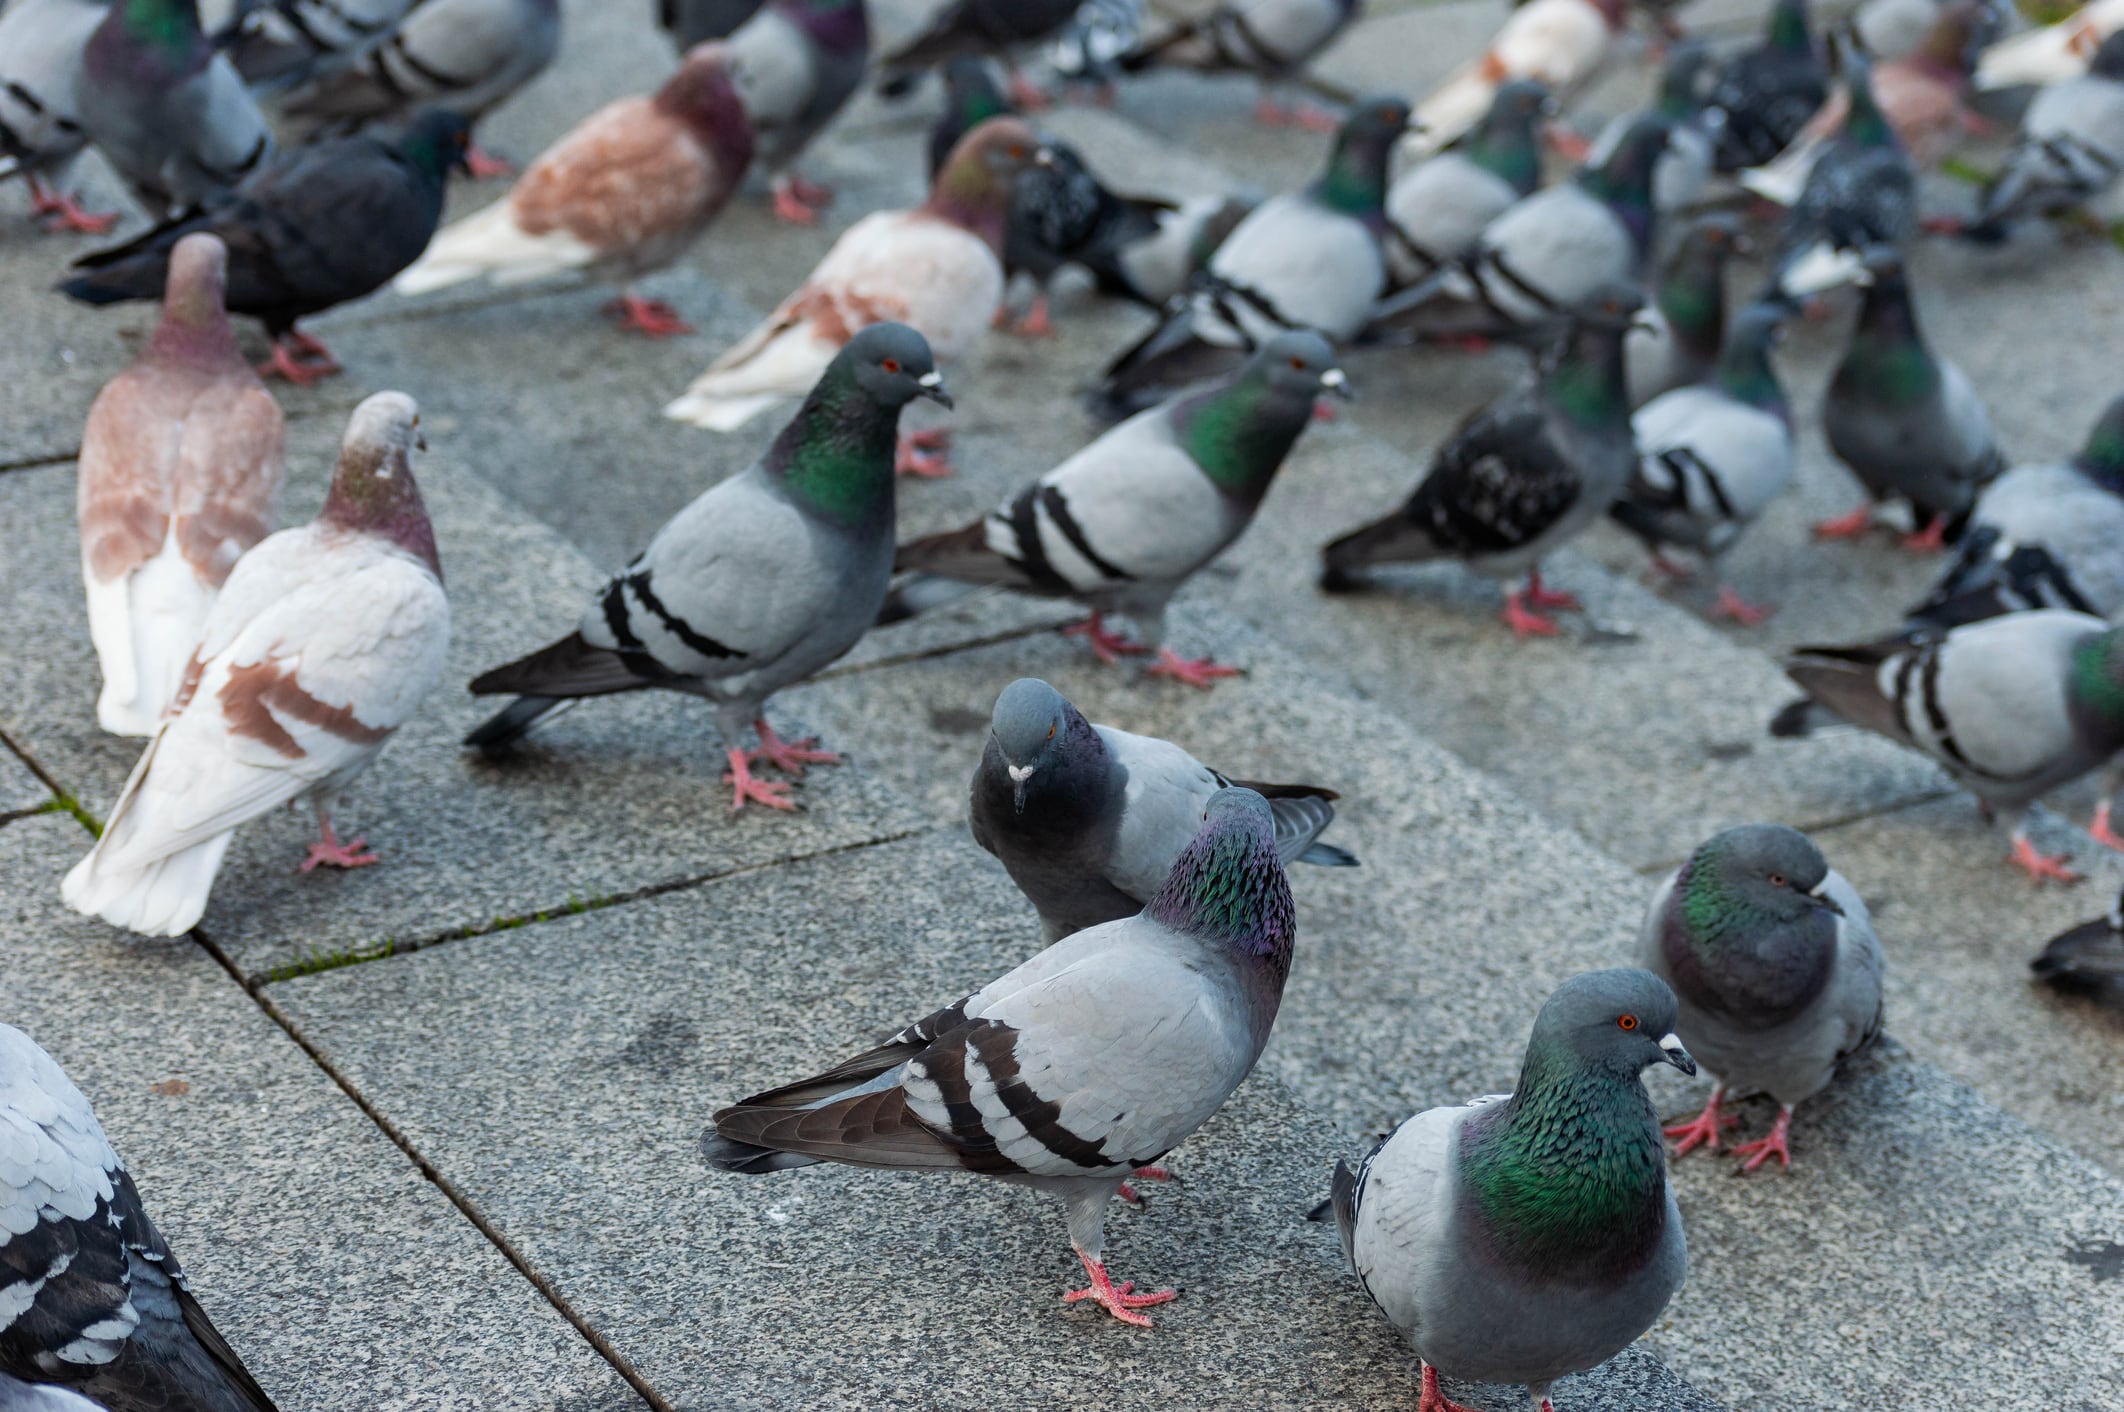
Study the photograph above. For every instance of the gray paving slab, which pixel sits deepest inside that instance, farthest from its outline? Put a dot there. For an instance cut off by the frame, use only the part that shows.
(343, 1278)
(616, 797)
(582, 1066)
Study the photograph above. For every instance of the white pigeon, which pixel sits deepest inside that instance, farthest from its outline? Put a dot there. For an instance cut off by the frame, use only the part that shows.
(325, 641)
(1563, 43)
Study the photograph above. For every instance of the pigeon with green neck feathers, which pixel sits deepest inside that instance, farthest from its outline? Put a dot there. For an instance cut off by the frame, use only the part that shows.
(1711, 457)
(1525, 1237)
(797, 63)
(1908, 423)
(165, 109)
(2011, 708)
(41, 47)
(1520, 476)
(1861, 192)
(1765, 95)
(1772, 956)
(1687, 317)
(1121, 525)
(1094, 1058)
(2070, 150)
(311, 229)
(1313, 259)
(760, 582)
(1437, 210)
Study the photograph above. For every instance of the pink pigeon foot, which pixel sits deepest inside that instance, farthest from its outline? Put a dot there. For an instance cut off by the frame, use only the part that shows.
(329, 852)
(1541, 596)
(1036, 323)
(1754, 1154)
(922, 453)
(1703, 1129)
(2041, 866)
(1108, 647)
(1434, 1398)
(759, 791)
(1524, 621)
(651, 318)
(1198, 672)
(1929, 540)
(2102, 832)
(1740, 610)
(485, 166)
(71, 214)
(1117, 1299)
(300, 359)
(1849, 526)
(788, 756)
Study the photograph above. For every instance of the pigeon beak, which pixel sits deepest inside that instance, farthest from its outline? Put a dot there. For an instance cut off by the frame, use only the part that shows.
(1826, 900)
(1670, 1046)
(1020, 776)
(931, 385)
(1336, 383)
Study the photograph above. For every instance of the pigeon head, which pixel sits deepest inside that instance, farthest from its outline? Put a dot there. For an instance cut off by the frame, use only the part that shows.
(1039, 738)
(1692, 292)
(1744, 367)
(1747, 931)
(1239, 434)
(836, 454)
(435, 143)
(1356, 178)
(973, 188)
(194, 322)
(1624, 180)
(372, 487)
(1506, 142)
(1228, 885)
(2108, 60)
(1612, 1023)
(2102, 458)
(1682, 84)
(704, 97)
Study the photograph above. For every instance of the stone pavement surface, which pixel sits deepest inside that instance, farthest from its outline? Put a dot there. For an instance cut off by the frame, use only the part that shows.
(425, 1135)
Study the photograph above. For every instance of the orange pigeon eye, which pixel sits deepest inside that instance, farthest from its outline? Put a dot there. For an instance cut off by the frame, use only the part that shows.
(890, 365)
(1628, 1022)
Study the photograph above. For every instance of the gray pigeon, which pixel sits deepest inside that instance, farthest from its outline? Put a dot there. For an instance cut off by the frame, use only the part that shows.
(1773, 958)
(1522, 1238)
(1271, 39)
(1092, 1059)
(1907, 423)
(1860, 193)
(2089, 958)
(91, 1298)
(167, 111)
(1712, 457)
(1519, 476)
(1088, 819)
(797, 63)
(1312, 259)
(1121, 525)
(277, 43)
(691, 22)
(1687, 318)
(2011, 707)
(1438, 209)
(2069, 152)
(757, 584)
(41, 48)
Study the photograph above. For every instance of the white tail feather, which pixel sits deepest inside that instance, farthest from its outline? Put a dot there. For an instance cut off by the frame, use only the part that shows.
(490, 245)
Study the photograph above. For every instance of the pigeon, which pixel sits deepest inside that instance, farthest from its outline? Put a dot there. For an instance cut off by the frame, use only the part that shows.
(1438, 208)
(1087, 1062)
(1062, 214)
(1712, 456)
(1519, 476)
(1906, 422)
(2042, 536)
(1121, 525)
(761, 581)
(41, 48)
(1272, 39)
(181, 470)
(2070, 150)
(626, 192)
(1088, 819)
(797, 63)
(1765, 95)
(468, 56)
(1773, 958)
(2011, 707)
(2052, 53)
(1860, 192)
(1311, 259)
(1545, 256)
(2088, 959)
(1524, 1237)
(1684, 169)
(167, 111)
(691, 22)
(937, 268)
(280, 43)
(93, 1304)
(1561, 43)
(324, 640)
(991, 28)
(1687, 316)
(971, 97)
(311, 229)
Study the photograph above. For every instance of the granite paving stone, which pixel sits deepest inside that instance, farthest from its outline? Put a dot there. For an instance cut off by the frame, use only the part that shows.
(343, 1278)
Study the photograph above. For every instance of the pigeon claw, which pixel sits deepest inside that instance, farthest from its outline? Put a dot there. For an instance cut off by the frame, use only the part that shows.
(1117, 1300)
(1849, 526)
(1199, 672)
(746, 787)
(2041, 866)
(651, 318)
(1702, 1130)
(1108, 647)
(1434, 1398)
(1755, 1154)
(788, 756)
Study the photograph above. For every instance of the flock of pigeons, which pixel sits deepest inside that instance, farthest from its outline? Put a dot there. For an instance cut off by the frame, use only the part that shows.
(1516, 1239)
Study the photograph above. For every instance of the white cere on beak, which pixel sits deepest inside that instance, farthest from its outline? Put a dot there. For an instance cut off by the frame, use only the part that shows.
(1019, 774)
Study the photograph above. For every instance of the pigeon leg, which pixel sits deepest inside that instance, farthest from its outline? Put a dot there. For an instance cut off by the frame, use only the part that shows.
(485, 166)
(329, 852)
(1929, 540)
(72, 216)
(651, 318)
(1849, 526)
(1704, 1128)
(1740, 610)
(922, 453)
(2040, 866)
(1036, 323)
(788, 756)
(1194, 671)
(767, 792)
(1116, 1299)
(1524, 621)
(790, 204)
(1108, 647)
(1541, 597)
(1755, 1153)
(1434, 1398)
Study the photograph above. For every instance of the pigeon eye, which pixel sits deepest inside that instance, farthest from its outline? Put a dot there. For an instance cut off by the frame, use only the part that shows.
(1627, 1022)
(890, 365)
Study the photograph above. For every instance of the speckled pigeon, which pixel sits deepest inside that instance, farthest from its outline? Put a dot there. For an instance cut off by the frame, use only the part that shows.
(325, 640)
(762, 580)
(1860, 193)
(1121, 525)
(92, 1300)
(1686, 321)
(2070, 150)
(41, 48)
(1519, 476)
(1524, 1237)
(1438, 209)
(1094, 1058)
(1088, 819)
(1764, 95)
(1271, 39)
(1773, 958)
(797, 64)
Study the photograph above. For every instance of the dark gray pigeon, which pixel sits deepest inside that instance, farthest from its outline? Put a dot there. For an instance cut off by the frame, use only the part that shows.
(1524, 1237)
(797, 63)
(761, 581)
(1687, 316)
(1438, 209)
(2088, 959)
(691, 22)
(1772, 955)
(995, 29)
(1765, 95)
(1908, 423)
(1061, 214)
(277, 43)
(41, 48)
(1091, 1060)
(1088, 819)
(1860, 193)
(2070, 150)
(1519, 476)
(91, 1298)
(1121, 525)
